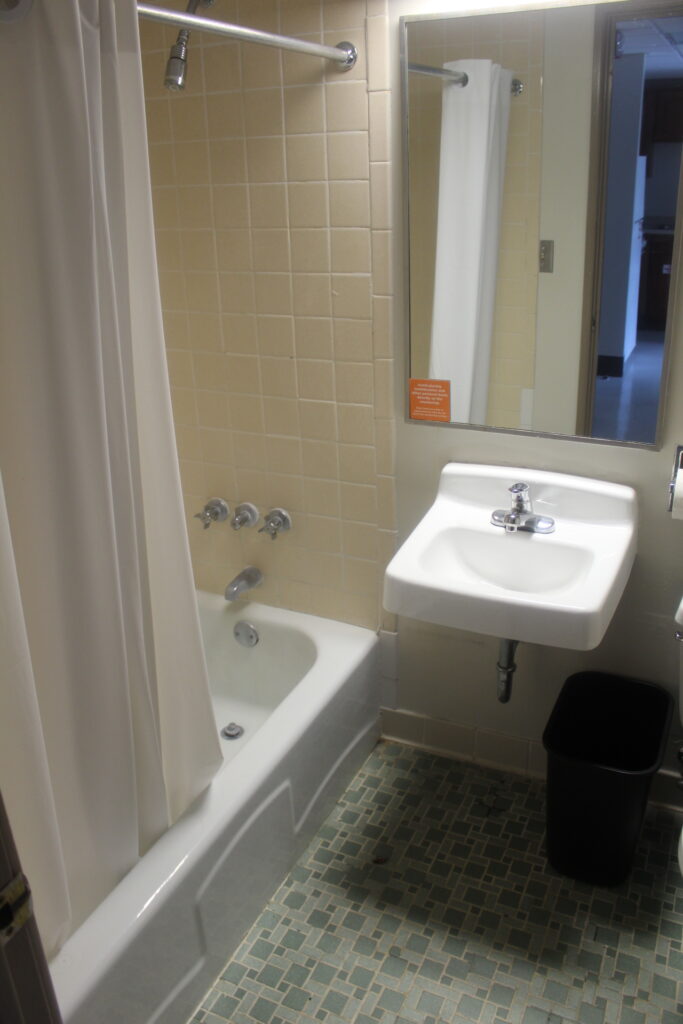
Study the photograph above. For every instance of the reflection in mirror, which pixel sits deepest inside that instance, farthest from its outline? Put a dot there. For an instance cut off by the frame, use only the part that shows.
(542, 216)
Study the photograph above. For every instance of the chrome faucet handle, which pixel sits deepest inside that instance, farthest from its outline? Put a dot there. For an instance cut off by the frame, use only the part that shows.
(520, 497)
(215, 511)
(276, 520)
(246, 514)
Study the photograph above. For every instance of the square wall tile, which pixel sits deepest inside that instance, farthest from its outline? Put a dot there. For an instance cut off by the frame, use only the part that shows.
(318, 420)
(304, 109)
(350, 204)
(306, 157)
(346, 105)
(354, 383)
(310, 250)
(263, 113)
(356, 424)
(275, 335)
(348, 156)
(268, 206)
(308, 205)
(316, 379)
(312, 295)
(278, 377)
(271, 249)
(313, 337)
(350, 248)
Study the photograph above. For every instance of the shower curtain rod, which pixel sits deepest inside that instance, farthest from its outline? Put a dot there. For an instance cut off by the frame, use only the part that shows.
(425, 69)
(344, 54)
(458, 77)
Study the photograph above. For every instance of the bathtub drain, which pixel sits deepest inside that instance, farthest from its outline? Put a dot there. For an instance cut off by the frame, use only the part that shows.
(232, 731)
(246, 634)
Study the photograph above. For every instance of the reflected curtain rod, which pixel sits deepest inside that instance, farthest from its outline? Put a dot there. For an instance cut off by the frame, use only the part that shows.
(344, 54)
(458, 77)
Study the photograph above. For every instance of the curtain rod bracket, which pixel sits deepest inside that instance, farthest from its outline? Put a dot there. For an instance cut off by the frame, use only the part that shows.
(351, 55)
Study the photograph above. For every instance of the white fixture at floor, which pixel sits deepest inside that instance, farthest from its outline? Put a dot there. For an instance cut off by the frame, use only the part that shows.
(560, 589)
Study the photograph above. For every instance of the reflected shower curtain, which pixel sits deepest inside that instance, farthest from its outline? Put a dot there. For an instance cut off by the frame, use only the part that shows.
(474, 123)
(104, 686)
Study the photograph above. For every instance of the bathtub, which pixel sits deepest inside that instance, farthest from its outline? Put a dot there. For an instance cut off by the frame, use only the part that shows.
(307, 696)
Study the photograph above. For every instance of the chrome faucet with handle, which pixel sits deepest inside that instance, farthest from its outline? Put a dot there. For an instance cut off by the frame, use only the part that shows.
(246, 514)
(215, 511)
(276, 520)
(521, 515)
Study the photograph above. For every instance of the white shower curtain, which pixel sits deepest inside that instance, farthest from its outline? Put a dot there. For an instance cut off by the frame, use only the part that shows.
(106, 727)
(474, 123)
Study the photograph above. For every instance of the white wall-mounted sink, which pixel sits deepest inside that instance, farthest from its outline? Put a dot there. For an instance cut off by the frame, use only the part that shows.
(561, 589)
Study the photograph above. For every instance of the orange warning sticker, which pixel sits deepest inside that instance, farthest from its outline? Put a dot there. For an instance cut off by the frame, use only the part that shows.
(430, 400)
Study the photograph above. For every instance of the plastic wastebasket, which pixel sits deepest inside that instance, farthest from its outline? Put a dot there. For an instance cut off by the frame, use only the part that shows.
(605, 739)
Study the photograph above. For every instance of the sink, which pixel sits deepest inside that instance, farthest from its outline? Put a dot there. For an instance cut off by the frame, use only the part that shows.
(560, 589)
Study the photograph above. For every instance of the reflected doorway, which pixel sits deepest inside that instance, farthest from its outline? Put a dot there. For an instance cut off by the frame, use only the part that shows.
(643, 172)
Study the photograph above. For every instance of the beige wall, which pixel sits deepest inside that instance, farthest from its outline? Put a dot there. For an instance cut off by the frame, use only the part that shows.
(271, 197)
(447, 685)
(515, 42)
(447, 678)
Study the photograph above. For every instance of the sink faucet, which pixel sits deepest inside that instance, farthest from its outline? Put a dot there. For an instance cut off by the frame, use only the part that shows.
(521, 515)
(246, 580)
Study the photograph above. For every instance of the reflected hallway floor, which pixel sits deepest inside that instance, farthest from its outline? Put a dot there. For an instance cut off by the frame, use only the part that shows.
(626, 408)
(426, 898)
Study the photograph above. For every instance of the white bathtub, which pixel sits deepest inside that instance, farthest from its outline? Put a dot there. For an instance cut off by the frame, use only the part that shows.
(307, 695)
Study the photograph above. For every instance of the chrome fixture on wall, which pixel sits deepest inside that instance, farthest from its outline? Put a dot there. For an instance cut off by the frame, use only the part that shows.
(275, 521)
(216, 510)
(176, 67)
(246, 580)
(246, 514)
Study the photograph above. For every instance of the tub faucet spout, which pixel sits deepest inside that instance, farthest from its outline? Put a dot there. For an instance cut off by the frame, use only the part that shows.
(246, 580)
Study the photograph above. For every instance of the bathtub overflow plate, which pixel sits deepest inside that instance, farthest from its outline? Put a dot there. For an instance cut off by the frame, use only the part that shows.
(232, 731)
(246, 634)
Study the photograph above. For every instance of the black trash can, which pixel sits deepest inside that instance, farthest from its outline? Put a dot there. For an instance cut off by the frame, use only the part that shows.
(605, 739)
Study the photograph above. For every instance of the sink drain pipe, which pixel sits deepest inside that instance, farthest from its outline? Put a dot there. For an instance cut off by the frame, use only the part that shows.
(506, 668)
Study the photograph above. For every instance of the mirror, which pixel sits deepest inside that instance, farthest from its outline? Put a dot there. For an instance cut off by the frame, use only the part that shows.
(542, 156)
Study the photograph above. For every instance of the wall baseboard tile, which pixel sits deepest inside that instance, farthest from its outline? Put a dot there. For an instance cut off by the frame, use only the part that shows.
(494, 749)
(388, 666)
(463, 742)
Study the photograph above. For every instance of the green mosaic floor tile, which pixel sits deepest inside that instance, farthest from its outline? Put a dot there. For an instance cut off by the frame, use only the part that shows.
(426, 898)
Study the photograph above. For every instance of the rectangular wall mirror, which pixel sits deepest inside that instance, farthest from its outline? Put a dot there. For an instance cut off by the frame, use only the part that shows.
(543, 159)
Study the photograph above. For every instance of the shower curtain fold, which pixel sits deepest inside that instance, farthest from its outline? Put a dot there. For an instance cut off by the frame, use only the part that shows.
(88, 460)
(474, 123)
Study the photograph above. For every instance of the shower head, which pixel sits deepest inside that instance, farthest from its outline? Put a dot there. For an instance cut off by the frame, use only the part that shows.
(176, 66)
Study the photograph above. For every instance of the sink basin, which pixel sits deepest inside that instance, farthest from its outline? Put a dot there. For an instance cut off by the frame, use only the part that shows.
(560, 589)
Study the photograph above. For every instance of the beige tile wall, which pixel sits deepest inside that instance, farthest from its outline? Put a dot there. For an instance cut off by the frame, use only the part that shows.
(271, 197)
(516, 42)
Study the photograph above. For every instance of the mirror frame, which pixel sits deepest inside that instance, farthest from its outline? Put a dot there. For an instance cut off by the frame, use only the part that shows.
(607, 14)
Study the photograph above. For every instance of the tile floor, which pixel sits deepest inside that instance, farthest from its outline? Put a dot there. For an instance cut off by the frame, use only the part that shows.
(426, 898)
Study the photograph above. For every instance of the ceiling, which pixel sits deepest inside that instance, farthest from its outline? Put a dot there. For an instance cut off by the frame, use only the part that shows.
(661, 39)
